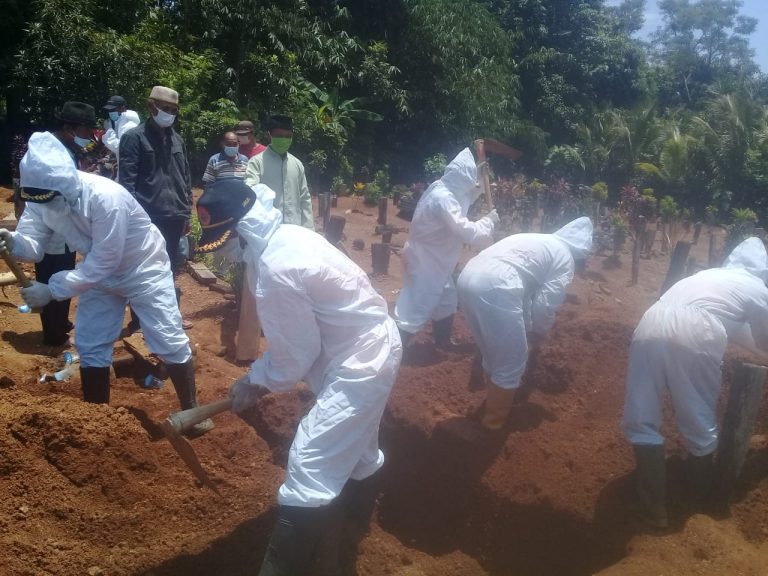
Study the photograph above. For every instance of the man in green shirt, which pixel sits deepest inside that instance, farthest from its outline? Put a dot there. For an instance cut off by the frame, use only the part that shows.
(283, 173)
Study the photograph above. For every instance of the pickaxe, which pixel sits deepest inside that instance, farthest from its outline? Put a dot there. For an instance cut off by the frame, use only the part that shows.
(179, 422)
(484, 145)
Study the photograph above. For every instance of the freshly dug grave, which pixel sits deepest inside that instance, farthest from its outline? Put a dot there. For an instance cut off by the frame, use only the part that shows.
(97, 490)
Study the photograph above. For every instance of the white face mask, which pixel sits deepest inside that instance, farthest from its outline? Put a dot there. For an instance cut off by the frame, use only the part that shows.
(163, 119)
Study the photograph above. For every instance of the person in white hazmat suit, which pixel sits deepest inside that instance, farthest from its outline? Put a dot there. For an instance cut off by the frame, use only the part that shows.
(325, 324)
(509, 294)
(124, 262)
(439, 229)
(678, 347)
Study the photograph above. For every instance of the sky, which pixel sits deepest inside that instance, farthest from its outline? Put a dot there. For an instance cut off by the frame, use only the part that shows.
(755, 8)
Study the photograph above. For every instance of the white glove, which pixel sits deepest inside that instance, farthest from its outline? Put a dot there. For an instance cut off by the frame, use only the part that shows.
(6, 240)
(244, 394)
(493, 216)
(37, 295)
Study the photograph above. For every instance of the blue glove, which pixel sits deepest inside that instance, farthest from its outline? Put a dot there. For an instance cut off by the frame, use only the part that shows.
(37, 295)
(244, 394)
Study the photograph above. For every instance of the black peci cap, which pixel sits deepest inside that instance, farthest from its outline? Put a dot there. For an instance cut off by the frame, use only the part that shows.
(220, 209)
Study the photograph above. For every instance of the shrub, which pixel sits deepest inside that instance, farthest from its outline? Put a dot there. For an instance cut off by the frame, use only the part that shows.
(668, 208)
(434, 166)
(741, 227)
(600, 191)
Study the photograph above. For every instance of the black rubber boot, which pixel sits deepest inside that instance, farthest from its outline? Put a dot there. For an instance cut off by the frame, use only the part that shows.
(701, 478)
(292, 547)
(651, 478)
(95, 384)
(441, 331)
(351, 517)
(183, 378)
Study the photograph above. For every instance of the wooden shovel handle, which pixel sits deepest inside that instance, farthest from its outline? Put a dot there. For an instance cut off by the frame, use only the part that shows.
(485, 181)
(14, 267)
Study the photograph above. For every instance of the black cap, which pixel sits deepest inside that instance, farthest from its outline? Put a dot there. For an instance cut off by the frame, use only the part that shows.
(279, 121)
(77, 113)
(220, 209)
(114, 103)
(244, 127)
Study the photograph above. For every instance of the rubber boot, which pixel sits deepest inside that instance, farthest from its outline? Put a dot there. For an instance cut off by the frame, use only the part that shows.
(441, 331)
(651, 484)
(357, 502)
(293, 545)
(183, 378)
(95, 384)
(701, 478)
(498, 403)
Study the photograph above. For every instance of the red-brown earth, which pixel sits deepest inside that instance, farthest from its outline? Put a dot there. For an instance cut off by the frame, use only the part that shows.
(94, 490)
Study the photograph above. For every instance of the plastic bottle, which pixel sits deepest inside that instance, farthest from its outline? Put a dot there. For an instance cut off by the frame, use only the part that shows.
(152, 382)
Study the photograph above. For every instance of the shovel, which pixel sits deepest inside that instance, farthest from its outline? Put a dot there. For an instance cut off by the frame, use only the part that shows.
(179, 422)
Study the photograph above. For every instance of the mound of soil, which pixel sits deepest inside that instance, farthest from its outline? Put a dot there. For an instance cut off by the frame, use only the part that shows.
(97, 489)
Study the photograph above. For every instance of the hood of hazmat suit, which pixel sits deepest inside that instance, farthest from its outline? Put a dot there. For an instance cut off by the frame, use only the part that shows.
(328, 326)
(96, 217)
(259, 224)
(438, 230)
(578, 236)
(751, 256)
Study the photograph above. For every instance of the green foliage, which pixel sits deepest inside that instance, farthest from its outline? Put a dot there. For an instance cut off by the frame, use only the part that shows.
(373, 193)
(434, 166)
(668, 208)
(600, 191)
(206, 127)
(685, 115)
(711, 214)
(742, 226)
(381, 180)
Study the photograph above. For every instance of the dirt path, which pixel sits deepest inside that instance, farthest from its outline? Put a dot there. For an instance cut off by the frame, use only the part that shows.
(96, 490)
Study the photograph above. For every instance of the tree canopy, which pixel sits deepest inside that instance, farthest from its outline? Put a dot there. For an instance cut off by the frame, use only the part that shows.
(384, 85)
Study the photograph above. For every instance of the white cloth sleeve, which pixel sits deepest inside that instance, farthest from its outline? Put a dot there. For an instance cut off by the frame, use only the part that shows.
(31, 236)
(547, 302)
(294, 339)
(111, 141)
(109, 230)
(470, 232)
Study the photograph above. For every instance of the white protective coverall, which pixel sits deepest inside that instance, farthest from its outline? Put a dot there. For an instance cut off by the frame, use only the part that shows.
(439, 229)
(516, 287)
(112, 134)
(325, 324)
(680, 342)
(124, 255)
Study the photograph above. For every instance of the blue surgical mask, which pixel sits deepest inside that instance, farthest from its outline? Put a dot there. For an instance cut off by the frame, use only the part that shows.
(114, 116)
(82, 142)
(231, 151)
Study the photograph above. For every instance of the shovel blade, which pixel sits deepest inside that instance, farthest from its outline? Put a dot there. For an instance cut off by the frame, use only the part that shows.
(187, 453)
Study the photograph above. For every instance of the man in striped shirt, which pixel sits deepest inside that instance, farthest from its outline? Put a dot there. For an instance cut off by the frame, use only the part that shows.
(228, 163)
